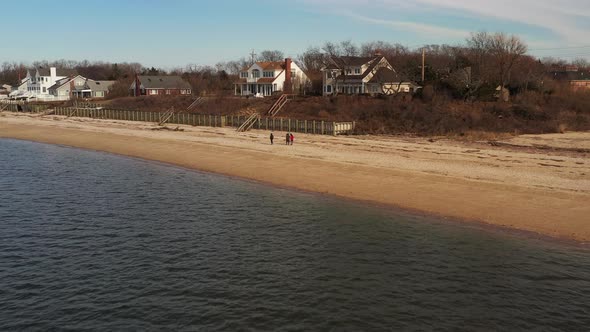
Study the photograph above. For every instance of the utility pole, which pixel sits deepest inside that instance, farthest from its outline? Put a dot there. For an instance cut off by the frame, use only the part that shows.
(253, 55)
(423, 60)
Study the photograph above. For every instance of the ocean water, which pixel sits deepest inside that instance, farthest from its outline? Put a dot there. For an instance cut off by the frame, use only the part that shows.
(90, 240)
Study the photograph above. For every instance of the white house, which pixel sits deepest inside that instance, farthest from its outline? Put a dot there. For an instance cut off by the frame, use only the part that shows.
(267, 78)
(358, 75)
(38, 81)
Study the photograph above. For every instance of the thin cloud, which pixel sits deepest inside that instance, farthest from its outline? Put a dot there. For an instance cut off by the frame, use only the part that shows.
(423, 29)
(564, 19)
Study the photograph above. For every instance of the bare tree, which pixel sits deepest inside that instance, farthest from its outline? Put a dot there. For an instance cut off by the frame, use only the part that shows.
(495, 55)
(269, 55)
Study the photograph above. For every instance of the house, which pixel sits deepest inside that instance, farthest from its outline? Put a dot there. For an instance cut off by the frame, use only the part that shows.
(268, 78)
(38, 81)
(357, 75)
(6, 88)
(159, 85)
(578, 79)
(79, 87)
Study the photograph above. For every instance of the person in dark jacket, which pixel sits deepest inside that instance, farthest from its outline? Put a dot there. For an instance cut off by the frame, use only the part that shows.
(272, 137)
(287, 138)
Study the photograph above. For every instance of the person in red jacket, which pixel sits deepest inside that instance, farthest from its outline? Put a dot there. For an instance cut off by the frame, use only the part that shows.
(292, 138)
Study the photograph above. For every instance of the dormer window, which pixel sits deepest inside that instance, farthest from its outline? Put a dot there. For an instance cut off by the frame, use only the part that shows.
(348, 71)
(256, 73)
(357, 71)
(244, 74)
(268, 74)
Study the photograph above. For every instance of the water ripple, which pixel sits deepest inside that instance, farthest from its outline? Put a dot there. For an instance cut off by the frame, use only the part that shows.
(94, 241)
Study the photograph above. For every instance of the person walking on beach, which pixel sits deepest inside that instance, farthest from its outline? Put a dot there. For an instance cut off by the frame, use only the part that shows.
(272, 137)
(291, 138)
(287, 138)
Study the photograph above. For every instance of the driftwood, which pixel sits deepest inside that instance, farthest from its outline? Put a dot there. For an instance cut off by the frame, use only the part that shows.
(168, 128)
(539, 147)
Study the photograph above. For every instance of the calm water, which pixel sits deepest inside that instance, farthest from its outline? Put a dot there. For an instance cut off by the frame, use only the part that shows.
(94, 241)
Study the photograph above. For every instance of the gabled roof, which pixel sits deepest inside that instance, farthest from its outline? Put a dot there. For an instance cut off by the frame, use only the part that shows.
(341, 62)
(163, 82)
(62, 82)
(99, 85)
(268, 65)
(43, 71)
(386, 75)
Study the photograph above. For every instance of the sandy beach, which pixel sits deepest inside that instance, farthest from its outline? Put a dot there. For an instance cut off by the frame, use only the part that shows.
(536, 183)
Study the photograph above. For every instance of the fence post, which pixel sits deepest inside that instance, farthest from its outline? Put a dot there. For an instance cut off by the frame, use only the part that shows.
(323, 127)
(334, 128)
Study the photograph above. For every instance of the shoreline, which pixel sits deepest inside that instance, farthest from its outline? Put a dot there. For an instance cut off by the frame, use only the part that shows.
(558, 208)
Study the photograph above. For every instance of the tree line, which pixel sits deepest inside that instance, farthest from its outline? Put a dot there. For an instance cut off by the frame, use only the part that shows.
(471, 70)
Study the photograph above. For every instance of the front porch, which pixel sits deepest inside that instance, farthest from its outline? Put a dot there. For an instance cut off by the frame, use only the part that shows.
(248, 89)
(87, 93)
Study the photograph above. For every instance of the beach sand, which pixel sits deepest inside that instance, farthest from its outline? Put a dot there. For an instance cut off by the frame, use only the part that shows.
(536, 183)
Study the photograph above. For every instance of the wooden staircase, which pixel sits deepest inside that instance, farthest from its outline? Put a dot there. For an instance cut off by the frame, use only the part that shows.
(164, 117)
(196, 103)
(250, 121)
(278, 105)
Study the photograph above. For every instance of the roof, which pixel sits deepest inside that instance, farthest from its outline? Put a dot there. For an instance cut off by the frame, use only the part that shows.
(59, 72)
(99, 85)
(341, 62)
(268, 65)
(386, 75)
(163, 82)
(571, 75)
(61, 82)
(344, 62)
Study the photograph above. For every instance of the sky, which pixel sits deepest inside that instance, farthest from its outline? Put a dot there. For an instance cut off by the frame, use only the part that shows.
(175, 33)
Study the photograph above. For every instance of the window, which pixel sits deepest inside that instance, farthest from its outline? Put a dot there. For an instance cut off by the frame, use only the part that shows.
(153, 92)
(348, 71)
(256, 73)
(244, 74)
(292, 73)
(167, 92)
(268, 74)
(357, 71)
(274, 87)
(328, 88)
(44, 89)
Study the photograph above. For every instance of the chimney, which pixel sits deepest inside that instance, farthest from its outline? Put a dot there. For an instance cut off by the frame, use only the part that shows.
(288, 86)
(52, 72)
(137, 86)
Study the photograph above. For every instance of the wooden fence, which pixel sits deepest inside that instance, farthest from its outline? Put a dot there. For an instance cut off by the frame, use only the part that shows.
(270, 124)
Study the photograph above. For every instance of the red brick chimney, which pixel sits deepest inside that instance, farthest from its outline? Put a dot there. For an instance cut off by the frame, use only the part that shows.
(137, 86)
(288, 86)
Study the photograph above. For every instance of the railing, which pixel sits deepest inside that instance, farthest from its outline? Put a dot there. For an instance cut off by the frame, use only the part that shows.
(196, 103)
(253, 121)
(247, 125)
(276, 107)
(164, 117)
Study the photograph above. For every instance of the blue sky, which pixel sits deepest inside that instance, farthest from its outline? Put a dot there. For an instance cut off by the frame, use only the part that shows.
(172, 33)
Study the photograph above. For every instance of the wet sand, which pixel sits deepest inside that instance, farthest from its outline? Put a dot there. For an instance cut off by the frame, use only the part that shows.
(522, 184)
